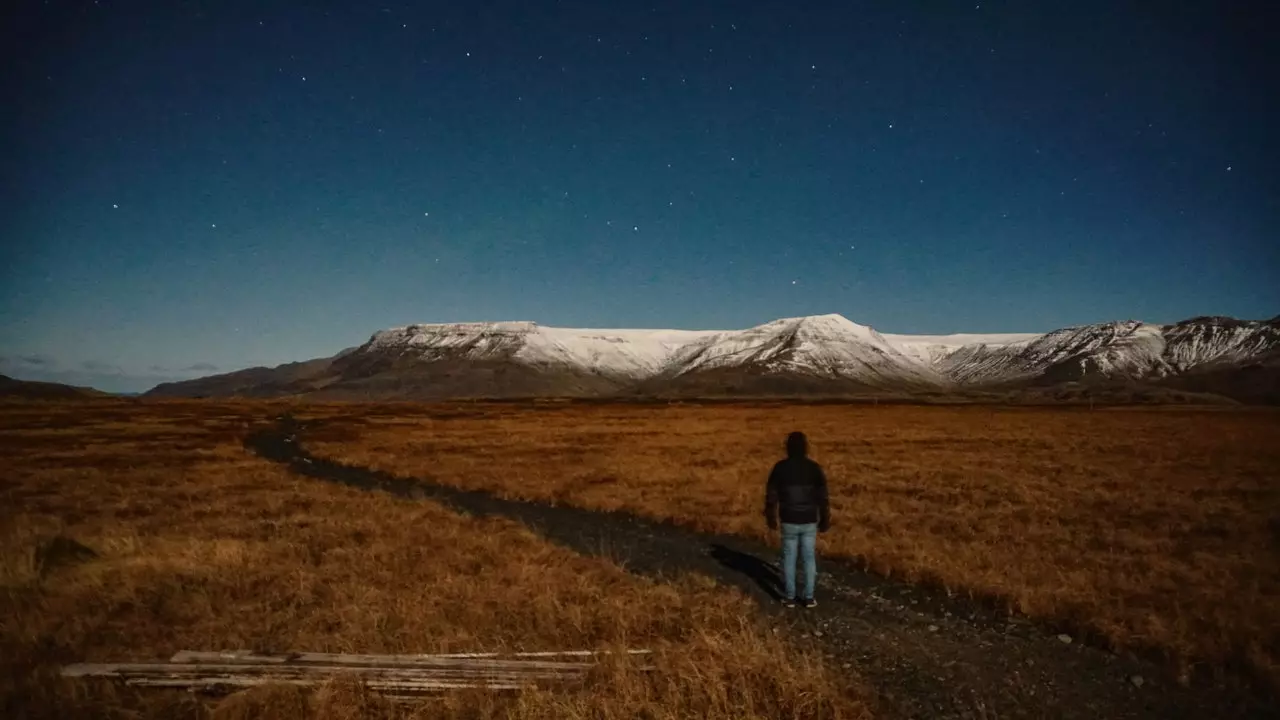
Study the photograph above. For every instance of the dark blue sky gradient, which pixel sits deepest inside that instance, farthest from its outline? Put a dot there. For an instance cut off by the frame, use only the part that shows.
(223, 184)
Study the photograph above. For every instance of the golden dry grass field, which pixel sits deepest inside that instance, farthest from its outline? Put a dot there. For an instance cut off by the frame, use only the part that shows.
(1154, 529)
(131, 530)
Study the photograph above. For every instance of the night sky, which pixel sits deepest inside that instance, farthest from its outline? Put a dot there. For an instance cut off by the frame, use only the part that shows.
(194, 187)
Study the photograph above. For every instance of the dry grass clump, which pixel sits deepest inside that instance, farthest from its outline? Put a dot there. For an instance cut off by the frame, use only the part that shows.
(1151, 528)
(132, 530)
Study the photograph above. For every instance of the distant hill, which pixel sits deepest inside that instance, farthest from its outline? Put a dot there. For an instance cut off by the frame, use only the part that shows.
(1203, 359)
(33, 390)
(260, 382)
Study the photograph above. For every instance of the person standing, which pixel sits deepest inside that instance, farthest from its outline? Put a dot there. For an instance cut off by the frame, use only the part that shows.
(796, 494)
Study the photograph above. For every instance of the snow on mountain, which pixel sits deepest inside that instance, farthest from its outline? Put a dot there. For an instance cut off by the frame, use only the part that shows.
(1107, 349)
(1128, 349)
(1203, 340)
(929, 349)
(833, 346)
(804, 355)
(621, 353)
(824, 345)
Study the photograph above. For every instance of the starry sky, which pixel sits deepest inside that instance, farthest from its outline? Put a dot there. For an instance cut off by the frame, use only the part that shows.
(198, 186)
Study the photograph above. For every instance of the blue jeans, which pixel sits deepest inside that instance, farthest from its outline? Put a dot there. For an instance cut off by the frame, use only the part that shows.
(803, 537)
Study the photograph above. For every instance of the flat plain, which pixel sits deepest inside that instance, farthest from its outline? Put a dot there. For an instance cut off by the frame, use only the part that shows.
(1147, 529)
(132, 530)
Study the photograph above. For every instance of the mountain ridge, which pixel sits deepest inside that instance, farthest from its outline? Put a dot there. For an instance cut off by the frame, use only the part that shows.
(13, 388)
(805, 355)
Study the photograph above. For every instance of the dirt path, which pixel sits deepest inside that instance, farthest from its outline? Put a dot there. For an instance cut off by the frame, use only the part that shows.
(928, 656)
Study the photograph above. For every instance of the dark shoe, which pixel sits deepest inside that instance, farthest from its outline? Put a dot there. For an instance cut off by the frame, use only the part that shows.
(788, 602)
(809, 603)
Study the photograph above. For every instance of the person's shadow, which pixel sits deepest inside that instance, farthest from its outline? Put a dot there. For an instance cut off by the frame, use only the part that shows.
(760, 572)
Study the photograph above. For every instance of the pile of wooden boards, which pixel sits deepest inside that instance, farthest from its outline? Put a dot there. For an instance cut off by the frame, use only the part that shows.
(396, 675)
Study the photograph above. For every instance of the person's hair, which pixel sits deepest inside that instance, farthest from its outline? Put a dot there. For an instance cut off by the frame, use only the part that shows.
(797, 444)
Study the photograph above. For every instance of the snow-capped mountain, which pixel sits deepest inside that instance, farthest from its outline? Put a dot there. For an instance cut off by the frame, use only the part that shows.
(1129, 348)
(825, 346)
(805, 355)
(1204, 340)
(624, 354)
(822, 345)
(1117, 350)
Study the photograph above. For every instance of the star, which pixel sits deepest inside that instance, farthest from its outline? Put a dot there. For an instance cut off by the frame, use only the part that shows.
(117, 207)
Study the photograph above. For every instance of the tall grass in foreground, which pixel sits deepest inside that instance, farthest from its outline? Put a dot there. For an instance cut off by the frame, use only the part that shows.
(130, 531)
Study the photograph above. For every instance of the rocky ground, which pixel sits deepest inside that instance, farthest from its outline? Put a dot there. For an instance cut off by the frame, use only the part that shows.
(927, 655)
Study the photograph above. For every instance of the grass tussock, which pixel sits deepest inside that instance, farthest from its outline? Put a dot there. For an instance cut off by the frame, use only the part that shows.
(1156, 529)
(132, 530)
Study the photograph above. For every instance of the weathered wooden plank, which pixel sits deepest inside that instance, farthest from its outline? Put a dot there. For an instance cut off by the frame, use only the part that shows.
(388, 674)
(397, 689)
(547, 653)
(373, 682)
(387, 681)
(181, 670)
(187, 656)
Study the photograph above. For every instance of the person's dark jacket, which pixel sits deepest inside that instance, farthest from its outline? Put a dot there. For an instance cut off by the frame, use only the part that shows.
(797, 489)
